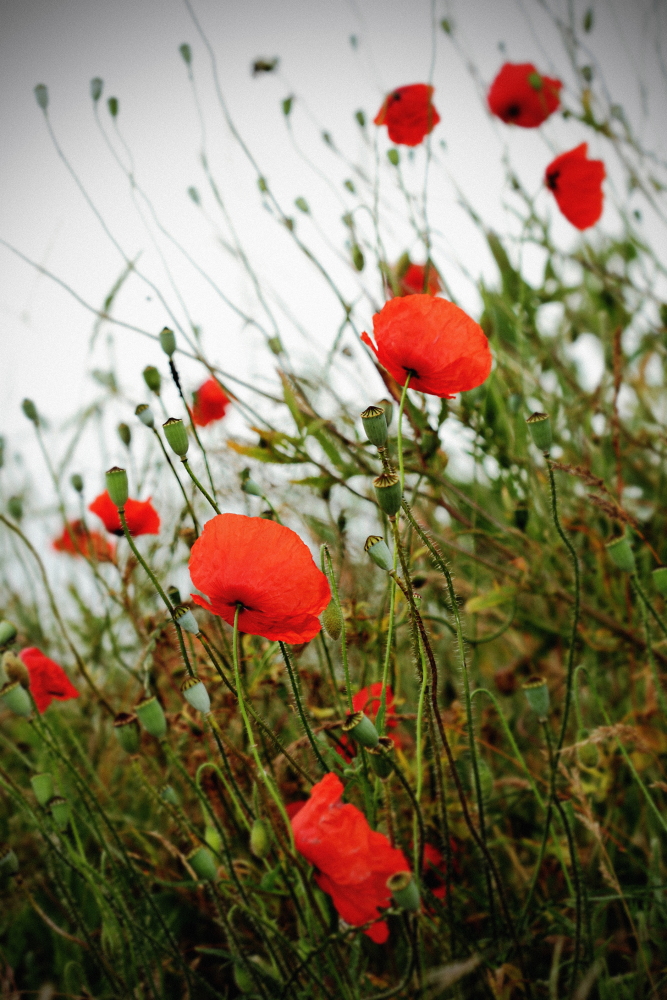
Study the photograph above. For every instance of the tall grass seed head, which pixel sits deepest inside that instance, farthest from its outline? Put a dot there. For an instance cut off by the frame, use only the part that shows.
(117, 486)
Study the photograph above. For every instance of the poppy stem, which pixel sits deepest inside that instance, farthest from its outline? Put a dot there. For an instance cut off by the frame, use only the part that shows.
(199, 485)
(302, 715)
(399, 435)
(645, 603)
(178, 480)
(177, 382)
(379, 722)
(329, 572)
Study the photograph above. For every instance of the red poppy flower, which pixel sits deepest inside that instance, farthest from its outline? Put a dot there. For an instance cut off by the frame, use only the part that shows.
(48, 680)
(264, 567)
(141, 516)
(412, 282)
(577, 186)
(522, 96)
(368, 700)
(210, 403)
(76, 540)
(432, 340)
(292, 808)
(353, 861)
(409, 114)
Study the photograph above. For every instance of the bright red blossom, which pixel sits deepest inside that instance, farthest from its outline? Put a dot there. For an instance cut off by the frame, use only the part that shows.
(48, 680)
(577, 186)
(141, 516)
(266, 568)
(210, 403)
(368, 700)
(442, 349)
(353, 861)
(408, 113)
(76, 540)
(412, 282)
(520, 95)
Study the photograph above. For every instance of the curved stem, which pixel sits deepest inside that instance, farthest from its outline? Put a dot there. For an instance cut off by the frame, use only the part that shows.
(178, 480)
(199, 486)
(399, 434)
(331, 576)
(302, 715)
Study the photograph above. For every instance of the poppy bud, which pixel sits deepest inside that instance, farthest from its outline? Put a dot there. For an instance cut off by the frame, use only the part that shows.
(42, 786)
(621, 554)
(537, 696)
(202, 862)
(660, 580)
(404, 889)
(186, 53)
(357, 257)
(152, 378)
(117, 486)
(77, 482)
(248, 484)
(128, 734)
(152, 717)
(332, 621)
(393, 157)
(112, 105)
(275, 345)
(380, 757)
(539, 425)
(15, 669)
(15, 507)
(302, 205)
(7, 633)
(378, 550)
(96, 85)
(361, 118)
(535, 81)
(587, 754)
(375, 425)
(168, 795)
(59, 809)
(125, 434)
(176, 435)
(167, 340)
(9, 863)
(184, 617)
(174, 594)
(361, 729)
(212, 838)
(16, 698)
(30, 411)
(42, 95)
(388, 492)
(145, 414)
(195, 694)
(260, 842)
(262, 185)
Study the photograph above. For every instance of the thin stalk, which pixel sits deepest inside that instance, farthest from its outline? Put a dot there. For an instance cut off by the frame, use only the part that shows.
(329, 571)
(302, 715)
(199, 486)
(178, 480)
(399, 433)
(379, 722)
(177, 382)
(659, 692)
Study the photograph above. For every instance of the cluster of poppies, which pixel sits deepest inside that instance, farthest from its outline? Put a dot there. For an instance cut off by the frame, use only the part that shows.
(522, 96)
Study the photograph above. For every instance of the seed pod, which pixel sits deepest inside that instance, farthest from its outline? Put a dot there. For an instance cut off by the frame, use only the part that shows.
(176, 435)
(128, 733)
(213, 839)
(152, 379)
(195, 694)
(59, 809)
(168, 794)
(275, 345)
(30, 410)
(388, 492)
(260, 841)
(404, 890)
(537, 696)
(117, 486)
(361, 729)
(112, 105)
(203, 864)
(621, 554)
(332, 621)
(378, 550)
(185, 619)
(77, 482)
(145, 414)
(249, 486)
(16, 698)
(152, 717)
(381, 757)
(660, 580)
(167, 340)
(125, 434)
(393, 157)
(9, 863)
(539, 425)
(357, 257)
(375, 425)
(174, 594)
(42, 95)
(7, 633)
(42, 786)
(15, 669)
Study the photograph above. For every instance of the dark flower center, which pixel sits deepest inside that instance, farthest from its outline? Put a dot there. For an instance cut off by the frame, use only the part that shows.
(552, 180)
(513, 111)
(411, 372)
(396, 96)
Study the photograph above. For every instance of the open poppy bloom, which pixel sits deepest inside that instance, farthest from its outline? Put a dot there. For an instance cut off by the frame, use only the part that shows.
(368, 701)
(520, 95)
(76, 540)
(353, 861)
(140, 515)
(408, 113)
(437, 344)
(48, 680)
(210, 403)
(264, 568)
(412, 282)
(577, 186)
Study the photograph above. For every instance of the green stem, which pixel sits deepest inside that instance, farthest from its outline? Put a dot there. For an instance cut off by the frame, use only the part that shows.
(302, 715)
(178, 480)
(329, 570)
(399, 434)
(379, 722)
(177, 381)
(659, 693)
(199, 486)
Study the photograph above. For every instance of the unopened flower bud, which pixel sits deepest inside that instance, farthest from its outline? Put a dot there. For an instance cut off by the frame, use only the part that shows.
(128, 733)
(125, 434)
(203, 864)
(248, 484)
(537, 696)
(167, 341)
(275, 345)
(152, 379)
(117, 486)
(404, 889)
(176, 435)
(16, 698)
(381, 757)
(361, 729)
(375, 425)
(152, 717)
(112, 105)
(376, 547)
(388, 492)
(660, 580)
(535, 81)
(260, 841)
(184, 617)
(213, 839)
(168, 795)
(393, 157)
(9, 863)
(332, 621)
(145, 414)
(30, 411)
(539, 425)
(621, 554)
(15, 507)
(195, 694)
(388, 408)
(43, 787)
(42, 96)
(186, 53)
(76, 482)
(7, 633)
(358, 257)
(59, 809)
(96, 85)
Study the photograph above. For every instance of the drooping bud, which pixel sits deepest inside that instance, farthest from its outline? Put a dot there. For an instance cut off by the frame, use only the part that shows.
(30, 411)
(332, 621)
(42, 95)
(621, 554)
(376, 547)
(248, 484)
(203, 864)
(537, 696)
(195, 694)
(128, 733)
(43, 787)
(112, 105)
(96, 85)
(168, 795)
(404, 890)
(176, 435)
(184, 617)
(660, 580)
(9, 863)
(145, 414)
(117, 486)
(16, 698)
(393, 157)
(15, 507)
(125, 434)
(375, 425)
(260, 841)
(167, 340)
(15, 669)
(152, 717)
(388, 492)
(275, 345)
(7, 633)
(59, 809)
(539, 425)
(381, 757)
(77, 482)
(361, 729)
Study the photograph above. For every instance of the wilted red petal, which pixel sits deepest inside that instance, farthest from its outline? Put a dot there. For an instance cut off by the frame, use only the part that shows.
(77, 540)
(577, 186)
(140, 515)
(210, 403)
(265, 567)
(436, 343)
(48, 680)
(409, 114)
(520, 95)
